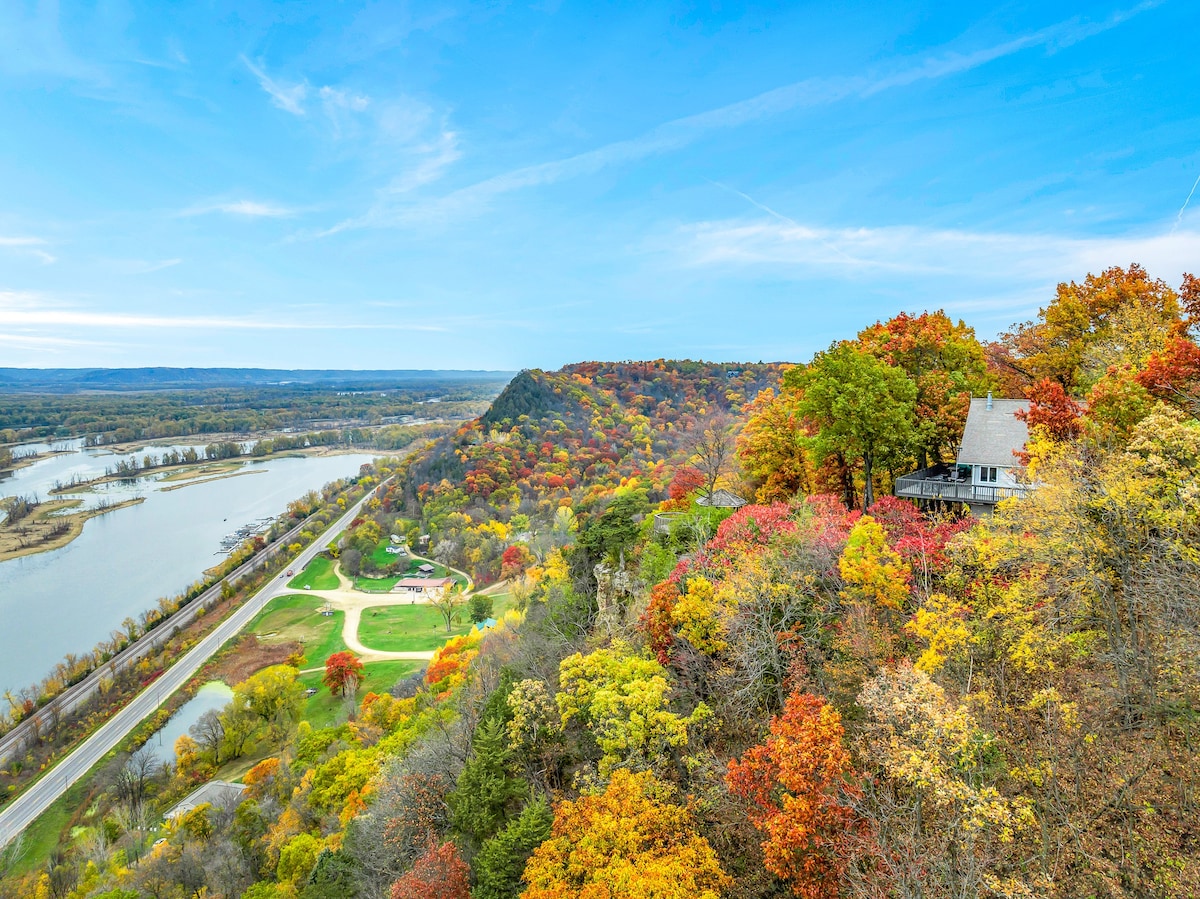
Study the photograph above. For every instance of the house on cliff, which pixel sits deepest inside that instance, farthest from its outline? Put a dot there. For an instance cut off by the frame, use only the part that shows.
(986, 470)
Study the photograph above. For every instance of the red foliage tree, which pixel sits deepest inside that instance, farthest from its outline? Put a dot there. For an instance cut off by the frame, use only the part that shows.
(656, 620)
(920, 542)
(1174, 374)
(799, 784)
(438, 874)
(687, 478)
(1051, 410)
(343, 673)
(515, 560)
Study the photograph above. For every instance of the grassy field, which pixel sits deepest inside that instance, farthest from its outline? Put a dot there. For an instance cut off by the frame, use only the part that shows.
(380, 555)
(375, 585)
(317, 575)
(325, 710)
(297, 617)
(415, 628)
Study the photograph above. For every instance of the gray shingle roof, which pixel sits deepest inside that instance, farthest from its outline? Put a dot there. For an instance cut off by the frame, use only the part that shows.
(993, 435)
(722, 499)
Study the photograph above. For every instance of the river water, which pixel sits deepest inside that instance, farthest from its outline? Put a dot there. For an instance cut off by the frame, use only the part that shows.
(67, 600)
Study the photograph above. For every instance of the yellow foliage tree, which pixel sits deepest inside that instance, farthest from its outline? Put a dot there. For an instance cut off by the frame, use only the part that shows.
(623, 699)
(872, 570)
(628, 841)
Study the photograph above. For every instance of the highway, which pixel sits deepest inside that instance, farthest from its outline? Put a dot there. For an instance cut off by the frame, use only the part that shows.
(21, 812)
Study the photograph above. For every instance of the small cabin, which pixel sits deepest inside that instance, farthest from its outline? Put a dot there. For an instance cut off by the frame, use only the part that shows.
(986, 470)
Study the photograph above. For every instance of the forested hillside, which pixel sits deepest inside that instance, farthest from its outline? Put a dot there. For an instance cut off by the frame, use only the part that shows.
(828, 692)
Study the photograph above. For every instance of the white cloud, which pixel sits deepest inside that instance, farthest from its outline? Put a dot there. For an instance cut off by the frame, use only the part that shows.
(340, 99)
(24, 309)
(31, 246)
(288, 97)
(38, 342)
(966, 257)
(246, 208)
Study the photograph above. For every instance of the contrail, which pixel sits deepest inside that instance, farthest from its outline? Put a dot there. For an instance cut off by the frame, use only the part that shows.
(1179, 218)
(783, 218)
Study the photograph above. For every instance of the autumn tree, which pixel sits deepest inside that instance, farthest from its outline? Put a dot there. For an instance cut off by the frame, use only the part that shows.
(860, 407)
(343, 673)
(623, 700)
(943, 826)
(629, 840)
(1174, 374)
(448, 601)
(273, 696)
(711, 444)
(947, 365)
(1051, 411)
(799, 784)
(438, 874)
(1112, 314)
(772, 446)
(685, 480)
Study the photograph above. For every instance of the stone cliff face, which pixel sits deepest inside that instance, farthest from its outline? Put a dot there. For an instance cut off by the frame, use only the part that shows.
(616, 589)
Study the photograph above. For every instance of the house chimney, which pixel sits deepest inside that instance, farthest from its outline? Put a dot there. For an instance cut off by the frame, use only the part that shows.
(989, 402)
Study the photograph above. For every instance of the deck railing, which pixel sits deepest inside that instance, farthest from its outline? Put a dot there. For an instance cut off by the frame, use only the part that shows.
(935, 483)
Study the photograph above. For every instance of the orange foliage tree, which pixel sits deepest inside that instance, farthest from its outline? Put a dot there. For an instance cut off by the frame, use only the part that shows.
(799, 783)
(630, 840)
(438, 874)
(343, 673)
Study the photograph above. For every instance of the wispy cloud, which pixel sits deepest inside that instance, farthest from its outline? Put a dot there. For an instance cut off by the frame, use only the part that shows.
(678, 133)
(41, 342)
(32, 246)
(24, 309)
(288, 97)
(245, 208)
(966, 257)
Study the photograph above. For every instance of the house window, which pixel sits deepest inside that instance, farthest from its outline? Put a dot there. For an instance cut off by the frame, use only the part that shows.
(987, 474)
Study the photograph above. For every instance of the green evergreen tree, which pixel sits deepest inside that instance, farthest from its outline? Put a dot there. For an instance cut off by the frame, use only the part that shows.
(486, 787)
(501, 861)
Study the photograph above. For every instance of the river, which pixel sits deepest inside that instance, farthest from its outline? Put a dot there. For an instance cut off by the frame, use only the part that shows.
(68, 599)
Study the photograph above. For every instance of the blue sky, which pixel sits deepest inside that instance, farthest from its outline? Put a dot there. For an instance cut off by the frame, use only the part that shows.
(444, 185)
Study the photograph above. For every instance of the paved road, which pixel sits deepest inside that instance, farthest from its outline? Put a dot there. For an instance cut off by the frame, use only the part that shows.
(21, 812)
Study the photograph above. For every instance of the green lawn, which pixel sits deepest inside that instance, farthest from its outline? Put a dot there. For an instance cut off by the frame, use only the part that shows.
(413, 628)
(317, 575)
(380, 556)
(298, 617)
(375, 585)
(325, 710)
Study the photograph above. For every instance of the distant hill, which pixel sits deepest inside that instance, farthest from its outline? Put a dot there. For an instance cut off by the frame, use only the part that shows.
(85, 380)
(576, 432)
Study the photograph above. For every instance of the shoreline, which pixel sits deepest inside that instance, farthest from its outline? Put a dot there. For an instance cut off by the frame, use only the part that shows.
(45, 515)
(25, 461)
(199, 480)
(190, 471)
